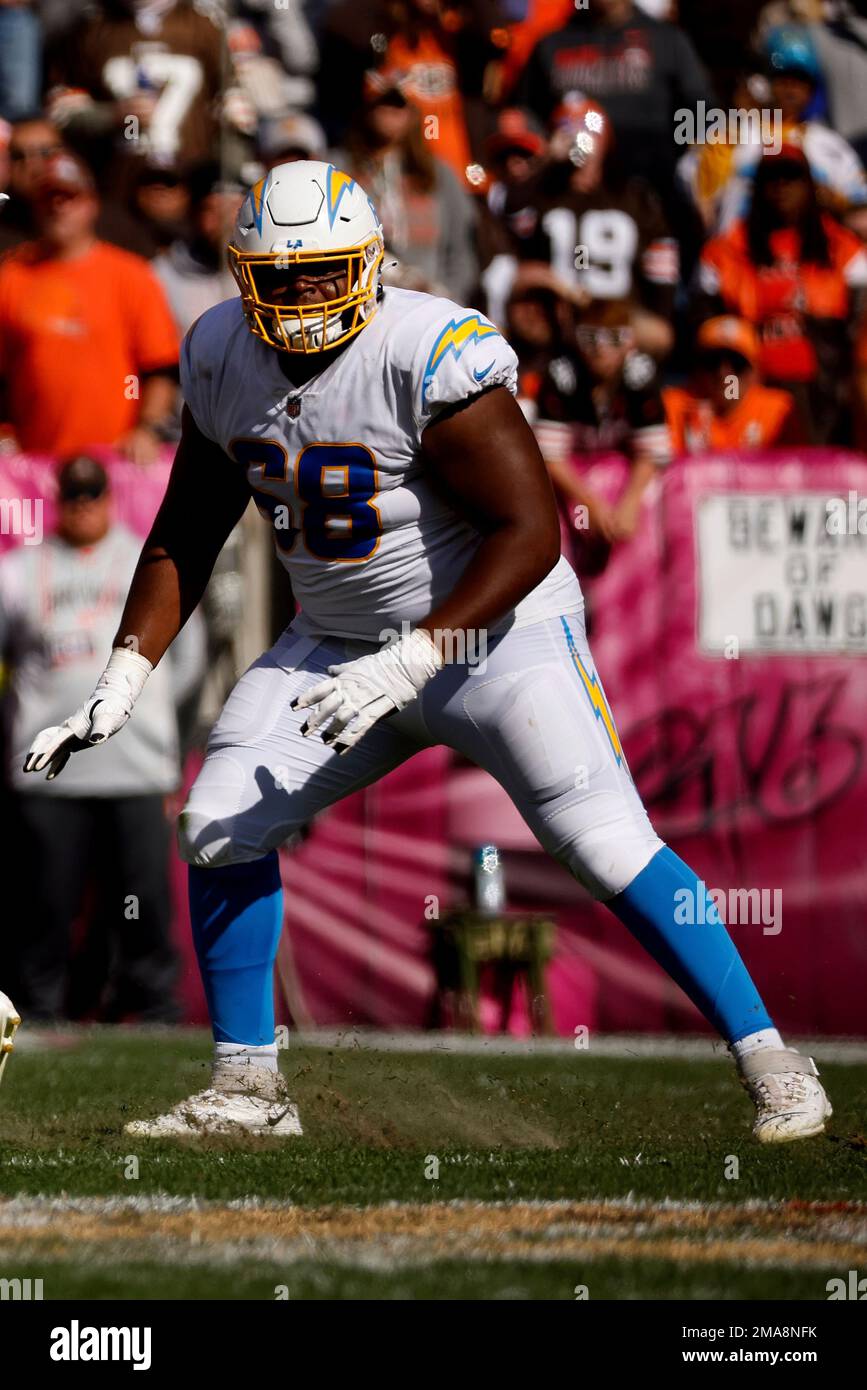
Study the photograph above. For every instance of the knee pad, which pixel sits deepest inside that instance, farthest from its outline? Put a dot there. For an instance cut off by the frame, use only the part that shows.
(605, 865)
(227, 819)
(204, 841)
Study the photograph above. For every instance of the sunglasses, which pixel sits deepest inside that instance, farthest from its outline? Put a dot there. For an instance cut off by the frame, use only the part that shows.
(83, 492)
(34, 152)
(393, 97)
(714, 358)
(592, 338)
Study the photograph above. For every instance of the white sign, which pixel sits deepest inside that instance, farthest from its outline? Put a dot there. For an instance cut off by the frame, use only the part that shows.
(774, 576)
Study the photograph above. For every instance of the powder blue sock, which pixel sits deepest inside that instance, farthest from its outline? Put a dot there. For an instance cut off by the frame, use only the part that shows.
(701, 957)
(237, 915)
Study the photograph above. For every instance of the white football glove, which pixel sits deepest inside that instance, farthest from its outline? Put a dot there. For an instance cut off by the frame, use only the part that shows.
(360, 692)
(101, 715)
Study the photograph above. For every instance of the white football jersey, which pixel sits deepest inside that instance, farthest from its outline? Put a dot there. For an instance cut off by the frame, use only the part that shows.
(335, 464)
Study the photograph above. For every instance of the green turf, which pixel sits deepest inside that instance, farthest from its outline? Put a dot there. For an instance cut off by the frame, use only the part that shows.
(447, 1279)
(503, 1128)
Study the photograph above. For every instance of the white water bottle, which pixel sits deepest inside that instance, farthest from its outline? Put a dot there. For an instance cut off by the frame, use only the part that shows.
(489, 884)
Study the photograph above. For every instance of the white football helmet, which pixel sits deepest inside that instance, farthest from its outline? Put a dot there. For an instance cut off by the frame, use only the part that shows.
(303, 212)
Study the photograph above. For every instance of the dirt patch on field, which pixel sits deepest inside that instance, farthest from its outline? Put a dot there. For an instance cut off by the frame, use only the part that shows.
(762, 1234)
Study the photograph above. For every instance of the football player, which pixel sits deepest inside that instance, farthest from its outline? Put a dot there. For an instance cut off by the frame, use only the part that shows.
(378, 434)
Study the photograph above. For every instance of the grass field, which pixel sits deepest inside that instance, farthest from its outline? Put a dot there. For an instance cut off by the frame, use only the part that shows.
(425, 1174)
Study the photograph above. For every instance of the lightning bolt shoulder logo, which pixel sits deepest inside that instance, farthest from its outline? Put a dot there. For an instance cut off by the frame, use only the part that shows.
(454, 338)
(336, 184)
(595, 695)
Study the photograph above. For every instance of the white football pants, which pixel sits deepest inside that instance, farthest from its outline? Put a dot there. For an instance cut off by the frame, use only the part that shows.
(533, 715)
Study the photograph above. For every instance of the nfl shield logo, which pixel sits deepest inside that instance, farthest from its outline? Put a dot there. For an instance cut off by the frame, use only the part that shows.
(293, 407)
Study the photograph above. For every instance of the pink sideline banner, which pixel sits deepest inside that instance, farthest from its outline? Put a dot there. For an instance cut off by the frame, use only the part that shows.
(731, 635)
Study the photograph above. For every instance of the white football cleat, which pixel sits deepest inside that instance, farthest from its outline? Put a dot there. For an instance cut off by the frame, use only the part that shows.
(241, 1099)
(9, 1023)
(785, 1089)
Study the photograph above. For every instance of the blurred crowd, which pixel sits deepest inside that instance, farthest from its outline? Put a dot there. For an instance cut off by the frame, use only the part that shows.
(663, 206)
(562, 164)
(673, 279)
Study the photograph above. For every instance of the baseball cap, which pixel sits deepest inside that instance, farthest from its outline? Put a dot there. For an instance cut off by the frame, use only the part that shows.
(81, 476)
(515, 130)
(165, 175)
(791, 151)
(790, 51)
(65, 173)
(293, 132)
(727, 331)
(209, 177)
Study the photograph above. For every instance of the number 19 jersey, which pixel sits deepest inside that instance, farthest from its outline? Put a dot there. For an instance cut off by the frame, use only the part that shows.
(336, 466)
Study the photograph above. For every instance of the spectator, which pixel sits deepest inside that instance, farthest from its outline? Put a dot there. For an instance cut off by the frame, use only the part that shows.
(59, 607)
(794, 78)
(725, 406)
(640, 70)
(139, 80)
(438, 53)
(160, 202)
(427, 217)
(838, 33)
(449, 50)
(257, 85)
(96, 364)
(509, 224)
(193, 271)
(539, 18)
(20, 59)
(353, 37)
(706, 171)
(287, 44)
(603, 396)
(797, 276)
(32, 142)
(537, 320)
(604, 228)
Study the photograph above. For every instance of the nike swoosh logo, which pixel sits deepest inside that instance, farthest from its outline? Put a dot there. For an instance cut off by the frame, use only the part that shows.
(480, 376)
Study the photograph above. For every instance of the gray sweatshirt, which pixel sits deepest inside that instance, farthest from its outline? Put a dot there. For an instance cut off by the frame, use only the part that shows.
(59, 610)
